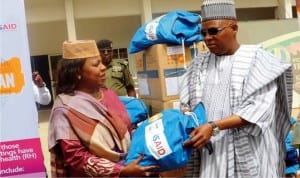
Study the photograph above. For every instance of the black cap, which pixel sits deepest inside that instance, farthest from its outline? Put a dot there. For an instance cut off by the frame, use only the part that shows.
(104, 44)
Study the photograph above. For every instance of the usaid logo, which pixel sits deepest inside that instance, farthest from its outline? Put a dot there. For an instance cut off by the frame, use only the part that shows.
(159, 147)
(151, 29)
(156, 140)
(8, 26)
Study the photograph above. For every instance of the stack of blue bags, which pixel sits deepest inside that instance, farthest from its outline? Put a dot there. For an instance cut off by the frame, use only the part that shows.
(160, 138)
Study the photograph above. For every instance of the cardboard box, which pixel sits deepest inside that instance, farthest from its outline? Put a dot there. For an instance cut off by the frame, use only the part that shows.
(160, 68)
(169, 56)
(162, 56)
(156, 106)
(159, 71)
(197, 48)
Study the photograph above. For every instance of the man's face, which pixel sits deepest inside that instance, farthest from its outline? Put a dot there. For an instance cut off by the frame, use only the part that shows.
(219, 35)
(106, 55)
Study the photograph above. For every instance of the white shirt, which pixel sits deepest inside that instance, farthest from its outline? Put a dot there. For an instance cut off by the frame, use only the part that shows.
(41, 94)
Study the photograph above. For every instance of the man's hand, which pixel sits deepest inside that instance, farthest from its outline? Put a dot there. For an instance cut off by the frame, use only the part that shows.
(37, 79)
(199, 136)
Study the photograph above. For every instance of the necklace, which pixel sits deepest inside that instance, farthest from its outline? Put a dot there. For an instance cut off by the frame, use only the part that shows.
(98, 95)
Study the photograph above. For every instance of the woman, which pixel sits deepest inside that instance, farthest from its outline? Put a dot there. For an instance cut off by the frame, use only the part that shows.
(89, 128)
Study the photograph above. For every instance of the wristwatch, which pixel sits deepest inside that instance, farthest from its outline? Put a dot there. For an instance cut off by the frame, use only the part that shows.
(216, 129)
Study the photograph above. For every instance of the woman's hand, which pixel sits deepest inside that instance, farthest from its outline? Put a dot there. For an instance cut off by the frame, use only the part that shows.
(135, 170)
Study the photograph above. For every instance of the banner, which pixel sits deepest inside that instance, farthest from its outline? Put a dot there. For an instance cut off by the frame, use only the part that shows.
(287, 47)
(20, 146)
(298, 11)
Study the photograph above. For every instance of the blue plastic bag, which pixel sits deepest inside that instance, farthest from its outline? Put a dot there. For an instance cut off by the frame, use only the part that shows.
(291, 159)
(171, 28)
(161, 138)
(136, 108)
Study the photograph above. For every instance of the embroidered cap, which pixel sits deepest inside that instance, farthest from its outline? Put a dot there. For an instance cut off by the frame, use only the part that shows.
(218, 9)
(79, 49)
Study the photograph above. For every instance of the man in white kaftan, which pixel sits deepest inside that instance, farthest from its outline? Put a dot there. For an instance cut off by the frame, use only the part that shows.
(247, 95)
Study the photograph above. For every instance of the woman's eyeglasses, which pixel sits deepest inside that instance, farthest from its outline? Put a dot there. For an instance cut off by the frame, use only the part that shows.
(213, 31)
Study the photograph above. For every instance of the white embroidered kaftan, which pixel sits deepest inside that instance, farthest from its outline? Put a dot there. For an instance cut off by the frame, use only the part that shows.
(256, 86)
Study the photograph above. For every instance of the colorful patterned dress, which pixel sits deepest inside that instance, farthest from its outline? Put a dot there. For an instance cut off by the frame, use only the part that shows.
(88, 138)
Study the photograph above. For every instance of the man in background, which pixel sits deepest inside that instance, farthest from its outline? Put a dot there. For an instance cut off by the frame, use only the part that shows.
(41, 92)
(118, 76)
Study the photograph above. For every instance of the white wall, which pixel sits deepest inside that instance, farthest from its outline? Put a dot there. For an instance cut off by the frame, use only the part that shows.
(54, 10)
(118, 29)
(47, 37)
(259, 31)
(119, 19)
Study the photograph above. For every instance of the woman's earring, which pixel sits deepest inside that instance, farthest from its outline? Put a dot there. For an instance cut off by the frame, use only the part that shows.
(79, 77)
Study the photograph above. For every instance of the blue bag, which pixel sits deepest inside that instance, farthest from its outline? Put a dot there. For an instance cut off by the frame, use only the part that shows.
(136, 109)
(291, 159)
(161, 138)
(174, 28)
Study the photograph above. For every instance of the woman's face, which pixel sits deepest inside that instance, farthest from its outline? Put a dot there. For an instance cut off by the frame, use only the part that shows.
(92, 74)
